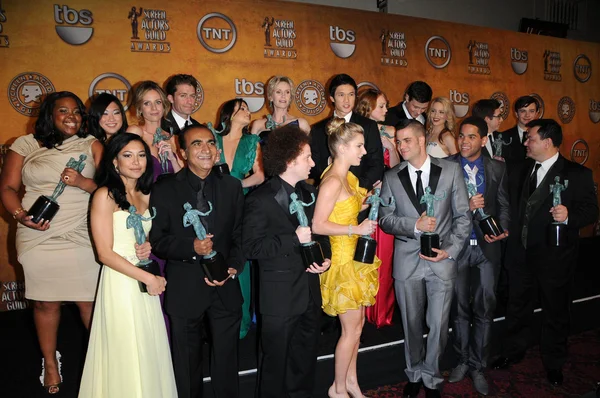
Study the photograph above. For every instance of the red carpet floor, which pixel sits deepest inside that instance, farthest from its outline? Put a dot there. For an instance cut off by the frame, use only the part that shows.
(528, 378)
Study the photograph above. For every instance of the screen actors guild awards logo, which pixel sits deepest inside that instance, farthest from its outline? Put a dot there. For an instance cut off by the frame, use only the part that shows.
(114, 84)
(518, 60)
(216, 32)
(393, 48)
(580, 151)
(438, 52)
(502, 98)
(68, 17)
(460, 102)
(154, 25)
(541, 104)
(342, 41)
(552, 65)
(594, 111)
(566, 110)
(3, 38)
(280, 36)
(582, 68)
(310, 97)
(479, 58)
(26, 92)
(252, 93)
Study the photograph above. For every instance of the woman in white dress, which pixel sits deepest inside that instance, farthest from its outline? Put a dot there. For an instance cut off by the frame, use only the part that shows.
(441, 121)
(128, 353)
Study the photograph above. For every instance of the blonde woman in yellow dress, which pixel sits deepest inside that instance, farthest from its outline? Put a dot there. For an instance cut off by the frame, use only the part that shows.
(349, 286)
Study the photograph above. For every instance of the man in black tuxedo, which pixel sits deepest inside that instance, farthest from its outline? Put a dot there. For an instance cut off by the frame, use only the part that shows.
(289, 292)
(342, 92)
(181, 93)
(532, 261)
(479, 262)
(526, 109)
(191, 295)
(489, 111)
(416, 102)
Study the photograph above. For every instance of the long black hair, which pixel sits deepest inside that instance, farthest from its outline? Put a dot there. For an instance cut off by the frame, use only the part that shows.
(108, 176)
(97, 108)
(45, 131)
(227, 112)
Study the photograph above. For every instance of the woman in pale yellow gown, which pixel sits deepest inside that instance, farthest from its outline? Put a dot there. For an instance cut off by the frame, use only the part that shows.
(128, 353)
(349, 286)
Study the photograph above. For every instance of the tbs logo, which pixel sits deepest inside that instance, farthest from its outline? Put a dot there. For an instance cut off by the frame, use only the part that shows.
(460, 102)
(595, 111)
(341, 41)
(252, 93)
(518, 60)
(74, 35)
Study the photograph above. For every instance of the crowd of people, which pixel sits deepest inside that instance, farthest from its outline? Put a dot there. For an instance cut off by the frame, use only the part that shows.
(153, 193)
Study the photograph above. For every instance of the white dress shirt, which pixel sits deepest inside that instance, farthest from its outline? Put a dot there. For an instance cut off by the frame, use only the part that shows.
(543, 170)
(420, 118)
(179, 120)
(346, 118)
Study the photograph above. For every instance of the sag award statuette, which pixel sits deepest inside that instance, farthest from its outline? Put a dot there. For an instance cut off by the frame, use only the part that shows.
(311, 252)
(221, 166)
(488, 224)
(557, 231)
(46, 207)
(498, 144)
(157, 138)
(213, 263)
(365, 247)
(134, 221)
(430, 240)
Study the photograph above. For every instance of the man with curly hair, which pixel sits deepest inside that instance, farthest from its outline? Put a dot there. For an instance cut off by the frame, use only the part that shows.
(289, 292)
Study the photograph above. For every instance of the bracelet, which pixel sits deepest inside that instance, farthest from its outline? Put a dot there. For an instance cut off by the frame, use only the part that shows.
(17, 212)
(349, 230)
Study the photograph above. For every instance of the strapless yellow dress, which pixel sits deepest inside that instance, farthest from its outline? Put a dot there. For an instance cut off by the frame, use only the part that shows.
(348, 284)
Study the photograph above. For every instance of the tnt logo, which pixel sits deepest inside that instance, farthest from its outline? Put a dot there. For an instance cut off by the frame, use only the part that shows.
(438, 52)
(114, 84)
(252, 93)
(67, 16)
(341, 41)
(216, 32)
(460, 102)
(582, 68)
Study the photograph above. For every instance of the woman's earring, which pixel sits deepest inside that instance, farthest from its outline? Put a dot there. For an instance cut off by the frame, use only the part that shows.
(117, 169)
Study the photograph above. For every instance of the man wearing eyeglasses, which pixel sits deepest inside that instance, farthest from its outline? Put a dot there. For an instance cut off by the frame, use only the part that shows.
(489, 110)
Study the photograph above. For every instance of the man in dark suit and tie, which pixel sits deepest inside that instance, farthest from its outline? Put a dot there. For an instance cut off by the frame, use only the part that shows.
(489, 111)
(526, 109)
(424, 285)
(479, 262)
(532, 261)
(289, 291)
(342, 90)
(191, 296)
(416, 102)
(181, 93)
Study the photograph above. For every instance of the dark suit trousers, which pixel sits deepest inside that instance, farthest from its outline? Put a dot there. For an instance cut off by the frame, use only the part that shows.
(187, 351)
(288, 355)
(476, 279)
(549, 270)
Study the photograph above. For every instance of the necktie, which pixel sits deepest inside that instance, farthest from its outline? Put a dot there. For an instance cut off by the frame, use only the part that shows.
(533, 179)
(187, 123)
(420, 191)
(202, 203)
(524, 138)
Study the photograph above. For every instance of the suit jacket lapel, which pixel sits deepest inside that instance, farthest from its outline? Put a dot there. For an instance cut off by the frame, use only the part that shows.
(434, 175)
(283, 200)
(489, 178)
(543, 190)
(408, 188)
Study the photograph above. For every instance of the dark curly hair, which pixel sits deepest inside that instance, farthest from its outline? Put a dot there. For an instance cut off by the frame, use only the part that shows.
(44, 125)
(97, 108)
(227, 112)
(285, 145)
(107, 175)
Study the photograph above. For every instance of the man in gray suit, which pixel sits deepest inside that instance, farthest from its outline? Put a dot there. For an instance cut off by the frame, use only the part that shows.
(479, 262)
(421, 281)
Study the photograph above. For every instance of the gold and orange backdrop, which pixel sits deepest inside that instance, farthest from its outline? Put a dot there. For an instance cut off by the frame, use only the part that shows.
(234, 47)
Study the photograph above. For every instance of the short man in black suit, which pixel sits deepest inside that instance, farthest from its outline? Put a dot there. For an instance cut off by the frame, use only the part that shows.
(489, 111)
(532, 261)
(181, 93)
(342, 90)
(191, 296)
(289, 292)
(416, 102)
(479, 262)
(526, 109)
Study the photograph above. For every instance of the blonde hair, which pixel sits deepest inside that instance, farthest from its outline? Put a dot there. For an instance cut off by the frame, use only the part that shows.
(142, 89)
(367, 101)
(340, 132)
(450, 122)
(273, 82)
